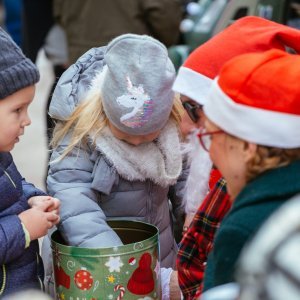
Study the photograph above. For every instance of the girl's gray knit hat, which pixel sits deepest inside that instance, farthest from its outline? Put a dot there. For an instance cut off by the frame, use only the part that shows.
(137, 84)
(16, 71)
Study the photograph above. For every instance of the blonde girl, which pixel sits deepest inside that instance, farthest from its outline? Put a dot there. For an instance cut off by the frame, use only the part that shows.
(116, 147)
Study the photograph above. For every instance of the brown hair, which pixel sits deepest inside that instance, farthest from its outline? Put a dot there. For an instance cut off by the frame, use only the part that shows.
(267, 158)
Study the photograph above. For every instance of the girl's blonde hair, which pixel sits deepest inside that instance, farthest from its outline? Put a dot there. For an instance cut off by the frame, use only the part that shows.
(89, 116)
(267, 158)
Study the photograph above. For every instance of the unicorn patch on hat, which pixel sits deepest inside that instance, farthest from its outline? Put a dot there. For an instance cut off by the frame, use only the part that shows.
(140, 102)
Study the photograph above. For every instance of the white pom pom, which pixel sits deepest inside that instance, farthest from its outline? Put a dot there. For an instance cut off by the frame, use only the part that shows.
(193, 8)
(186, 25)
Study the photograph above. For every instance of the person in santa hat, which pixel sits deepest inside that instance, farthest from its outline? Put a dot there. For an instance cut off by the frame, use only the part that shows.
(249, 34)
(252, 135)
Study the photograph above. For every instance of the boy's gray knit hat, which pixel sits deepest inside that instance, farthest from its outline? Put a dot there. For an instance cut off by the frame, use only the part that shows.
(137, 84)
(16, 71)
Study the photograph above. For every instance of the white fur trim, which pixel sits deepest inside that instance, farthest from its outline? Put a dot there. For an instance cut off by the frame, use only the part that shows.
(192, 84)
(197, 184)
(159, 161)
(97, 81)
(259, 126)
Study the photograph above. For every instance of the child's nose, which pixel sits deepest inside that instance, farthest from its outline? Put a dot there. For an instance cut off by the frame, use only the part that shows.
(26, 121)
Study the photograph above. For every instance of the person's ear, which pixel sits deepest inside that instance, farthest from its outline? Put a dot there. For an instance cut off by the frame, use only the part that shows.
(249, 151)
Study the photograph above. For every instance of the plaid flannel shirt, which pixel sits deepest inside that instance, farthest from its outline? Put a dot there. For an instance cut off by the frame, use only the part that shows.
(197, 242)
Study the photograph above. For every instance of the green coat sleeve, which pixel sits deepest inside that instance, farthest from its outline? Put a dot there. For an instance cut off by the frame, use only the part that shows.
(221, 264)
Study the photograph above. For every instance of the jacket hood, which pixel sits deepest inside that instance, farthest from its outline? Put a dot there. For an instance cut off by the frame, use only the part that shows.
(75, 83)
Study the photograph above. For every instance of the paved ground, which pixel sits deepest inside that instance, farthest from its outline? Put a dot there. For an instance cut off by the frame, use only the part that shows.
(30, 153)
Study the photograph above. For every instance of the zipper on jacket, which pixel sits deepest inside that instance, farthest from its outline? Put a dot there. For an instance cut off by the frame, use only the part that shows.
(10, 179)
(149, 202)
(4, 280)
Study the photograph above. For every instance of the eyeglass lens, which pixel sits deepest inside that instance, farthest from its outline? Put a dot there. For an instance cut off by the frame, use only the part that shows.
(191, 109)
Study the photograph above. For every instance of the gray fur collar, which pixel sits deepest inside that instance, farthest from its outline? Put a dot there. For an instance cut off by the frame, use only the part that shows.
(159, 161)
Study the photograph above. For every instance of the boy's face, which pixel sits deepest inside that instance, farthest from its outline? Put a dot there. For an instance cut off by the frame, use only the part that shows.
(14, 117)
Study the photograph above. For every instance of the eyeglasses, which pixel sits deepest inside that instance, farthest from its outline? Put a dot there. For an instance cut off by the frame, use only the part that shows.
(205, 138)
(192, 110)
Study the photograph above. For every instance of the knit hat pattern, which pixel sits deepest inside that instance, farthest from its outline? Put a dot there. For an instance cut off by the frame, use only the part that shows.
(246, 35)
(137, 84)
(142, 279)
(256, 98)
(16, 71)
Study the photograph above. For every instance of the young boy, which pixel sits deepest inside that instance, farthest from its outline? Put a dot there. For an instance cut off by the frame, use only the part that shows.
(26, 213)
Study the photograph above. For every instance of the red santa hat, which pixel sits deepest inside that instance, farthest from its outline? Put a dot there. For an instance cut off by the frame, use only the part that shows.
(257, 98)
(248, 34)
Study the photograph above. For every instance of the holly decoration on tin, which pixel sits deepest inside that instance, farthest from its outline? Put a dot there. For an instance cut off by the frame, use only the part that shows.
(83, 279)
(61, 277)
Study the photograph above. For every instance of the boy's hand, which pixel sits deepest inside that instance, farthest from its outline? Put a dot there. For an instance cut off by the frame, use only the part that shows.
(53, 203)
(38, 220)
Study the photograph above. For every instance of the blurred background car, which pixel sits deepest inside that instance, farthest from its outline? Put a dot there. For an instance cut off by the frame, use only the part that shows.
(205, 18)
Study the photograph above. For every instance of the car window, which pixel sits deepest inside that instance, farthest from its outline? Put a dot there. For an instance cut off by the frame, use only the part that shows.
(211, 15)
(293, 14)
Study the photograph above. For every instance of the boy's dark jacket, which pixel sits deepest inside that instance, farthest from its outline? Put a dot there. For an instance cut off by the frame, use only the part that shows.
(20, 268)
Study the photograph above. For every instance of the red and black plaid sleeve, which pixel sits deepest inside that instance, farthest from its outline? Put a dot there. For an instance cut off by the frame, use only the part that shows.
(197, 242)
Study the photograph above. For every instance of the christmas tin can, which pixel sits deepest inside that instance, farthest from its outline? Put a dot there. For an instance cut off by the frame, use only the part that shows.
(131, 271)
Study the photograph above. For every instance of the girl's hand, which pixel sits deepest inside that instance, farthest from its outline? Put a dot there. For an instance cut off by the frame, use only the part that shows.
(175, 293)
(38, 220)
